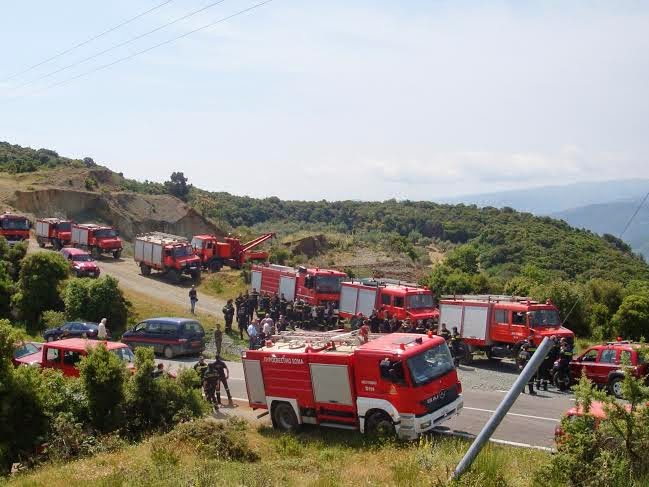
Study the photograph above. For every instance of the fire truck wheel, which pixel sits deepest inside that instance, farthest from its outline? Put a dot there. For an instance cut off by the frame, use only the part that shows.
(117, 254)
(284, 417)
(95, 253)
(174, 276)
(379, 425)
(196, 275)
(57, 244)
(145, 269)
(215, 266)
(41, 243)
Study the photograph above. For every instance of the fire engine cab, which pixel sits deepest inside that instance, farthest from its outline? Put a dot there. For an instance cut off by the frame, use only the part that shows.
(400, 383)
(15, 228)
(314, 286)
(387, 297)
(497, 325)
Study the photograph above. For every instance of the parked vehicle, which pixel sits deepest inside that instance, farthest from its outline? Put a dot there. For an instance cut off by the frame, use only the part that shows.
(597, 412)
(81, 262)
(399, 384)
(72, 329)
(605, 364)
(169, 254)
(15, 228)
(25, 352)
(315, 287)
(64, 355)
(498, 325)
(54, 232)
(388, 298)
(96, 239)
(214, 254)
(168, 336)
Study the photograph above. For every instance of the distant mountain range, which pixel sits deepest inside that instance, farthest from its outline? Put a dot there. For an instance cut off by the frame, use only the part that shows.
(603, 207)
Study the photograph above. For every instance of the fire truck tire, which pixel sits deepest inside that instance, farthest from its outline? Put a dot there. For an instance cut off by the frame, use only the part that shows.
(379, 425)
(95, 253)
(145, 269)
(174, 276)
(117, 254)
(284, 417)
(57, 244)
(196, 275)
(41, 242)
(215, 265)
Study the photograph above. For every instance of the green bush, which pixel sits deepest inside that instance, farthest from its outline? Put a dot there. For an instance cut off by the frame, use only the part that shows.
(52, 319)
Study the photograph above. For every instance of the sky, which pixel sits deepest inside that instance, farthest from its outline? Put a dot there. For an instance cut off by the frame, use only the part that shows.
(337, 100)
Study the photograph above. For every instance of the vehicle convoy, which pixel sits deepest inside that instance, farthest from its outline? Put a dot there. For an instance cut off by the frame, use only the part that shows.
(388, 298)
(169, 254)
(81, 262)
(96, 239)
(399, 384)
(315, 287)
(15, 228)
(605, 365)
(498, 325)
(214, 254)
(64, 355)
(54, 232)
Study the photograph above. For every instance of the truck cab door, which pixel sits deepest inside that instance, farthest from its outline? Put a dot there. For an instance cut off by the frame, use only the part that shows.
(519, 328)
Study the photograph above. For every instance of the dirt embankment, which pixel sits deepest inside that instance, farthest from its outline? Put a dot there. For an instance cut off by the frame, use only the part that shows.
(130, 213)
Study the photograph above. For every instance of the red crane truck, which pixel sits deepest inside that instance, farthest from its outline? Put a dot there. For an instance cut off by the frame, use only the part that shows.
(15, 228)
(315, 287)
(96, 239)
(498, 324)
(399, 384)
(54, 232)
(231, 252)
(169, 254)
(388, 298)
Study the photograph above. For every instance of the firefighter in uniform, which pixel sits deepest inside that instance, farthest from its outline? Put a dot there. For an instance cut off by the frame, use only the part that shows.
(543, 376)
(218, 339)
(242, 319)
(228, 315)
(223, 375)
(444, 333)
(200, 367)
(283, 302)
(529, 347)
(252, 302)
(210, 383)
(299, 312)
(290, 314)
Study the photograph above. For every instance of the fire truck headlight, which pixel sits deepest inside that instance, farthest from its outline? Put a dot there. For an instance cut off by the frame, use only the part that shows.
(425, 425)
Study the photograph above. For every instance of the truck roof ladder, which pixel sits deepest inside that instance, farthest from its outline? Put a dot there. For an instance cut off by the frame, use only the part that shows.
(299, 338)
(488, 298)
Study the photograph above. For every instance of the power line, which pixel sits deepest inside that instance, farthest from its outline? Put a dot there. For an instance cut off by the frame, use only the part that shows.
(121, 44)
(628, 224)
(81, 44)
(143, 51)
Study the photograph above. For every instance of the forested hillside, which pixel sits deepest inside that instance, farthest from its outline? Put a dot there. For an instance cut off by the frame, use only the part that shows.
(16, 159)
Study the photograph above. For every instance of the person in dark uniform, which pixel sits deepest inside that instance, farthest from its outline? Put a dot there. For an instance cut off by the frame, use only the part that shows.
(200, 367)
(228, 315)
(218, 339)
(384, 326)
(252, 303)
(529, 348)
(223, 376)
(375, 321)
(243, 320)
(444, 333)
(545, 370)
(210, 383)
(158, 372)
(283, 302)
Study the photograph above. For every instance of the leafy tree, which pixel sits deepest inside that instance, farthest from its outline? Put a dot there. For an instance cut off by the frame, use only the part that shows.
(464, 258)
(103, 375)
(632, 318)
(571, 301)
(38, 285)
(177, 185)
(6, 290)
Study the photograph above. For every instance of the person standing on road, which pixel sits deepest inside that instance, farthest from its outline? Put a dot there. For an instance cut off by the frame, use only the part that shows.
(102, 332)
(228, 315)
(193, 297)
(243, 321)
(210, 383)
(200, 367)
(218, 339)
(444, 333)
(224, 375)
(252, 336)
(529, 348)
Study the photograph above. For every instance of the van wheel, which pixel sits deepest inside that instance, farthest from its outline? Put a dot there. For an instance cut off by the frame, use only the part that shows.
(284, 417)
(168, 352)
(615, 386)
(145, 269)
(380, 425)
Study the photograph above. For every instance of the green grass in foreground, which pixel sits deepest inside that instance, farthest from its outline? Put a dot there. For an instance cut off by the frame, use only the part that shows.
(313, 456)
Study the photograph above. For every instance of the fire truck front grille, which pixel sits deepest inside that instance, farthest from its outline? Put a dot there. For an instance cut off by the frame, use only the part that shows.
(440, 399)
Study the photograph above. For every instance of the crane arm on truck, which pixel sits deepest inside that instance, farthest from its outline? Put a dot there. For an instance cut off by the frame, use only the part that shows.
(257, 241)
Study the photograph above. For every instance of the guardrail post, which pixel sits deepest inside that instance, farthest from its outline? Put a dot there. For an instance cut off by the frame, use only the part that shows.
(506, 404)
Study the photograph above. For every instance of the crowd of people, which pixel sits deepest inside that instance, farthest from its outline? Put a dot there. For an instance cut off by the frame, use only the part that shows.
(561, 352)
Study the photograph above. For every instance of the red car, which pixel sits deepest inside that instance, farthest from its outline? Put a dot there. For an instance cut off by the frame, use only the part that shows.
(64, 355)
(603, 364)
(81, 262)
(25, 352)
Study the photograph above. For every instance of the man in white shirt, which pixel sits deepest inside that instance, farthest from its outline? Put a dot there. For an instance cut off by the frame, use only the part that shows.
(267, 327)
(102, 334)
(252, 335)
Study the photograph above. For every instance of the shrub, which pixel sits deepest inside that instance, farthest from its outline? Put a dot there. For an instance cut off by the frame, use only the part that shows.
(52, 319)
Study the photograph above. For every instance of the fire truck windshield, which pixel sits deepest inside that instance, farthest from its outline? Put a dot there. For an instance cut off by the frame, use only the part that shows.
(105, 233)
(328, 284)
(544, 317)
(14, 224)
(183, 251)
(430, 365)
(64, 227)
(417, 301)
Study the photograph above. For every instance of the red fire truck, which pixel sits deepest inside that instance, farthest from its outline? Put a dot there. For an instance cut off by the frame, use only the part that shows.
(15, 228)
(315, 287)
(54, 232)
(400, 383)
(231, 252)
(387, 297)
(96, 239)
(497, 325)
(169, 254)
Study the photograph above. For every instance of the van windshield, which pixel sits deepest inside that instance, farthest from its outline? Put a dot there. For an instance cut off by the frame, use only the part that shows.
(418, 301)
(430, 365)
(328, 284)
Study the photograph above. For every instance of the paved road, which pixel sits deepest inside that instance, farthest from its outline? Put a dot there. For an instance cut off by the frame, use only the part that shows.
(530, 422)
